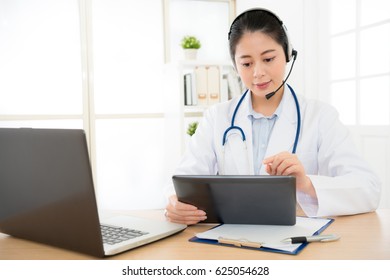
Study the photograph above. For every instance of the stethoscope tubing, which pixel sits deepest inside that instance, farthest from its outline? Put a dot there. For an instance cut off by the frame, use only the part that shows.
(298, 119)
(232, 126)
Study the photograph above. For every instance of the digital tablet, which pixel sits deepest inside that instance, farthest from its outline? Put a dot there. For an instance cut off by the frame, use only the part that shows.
(231, 199)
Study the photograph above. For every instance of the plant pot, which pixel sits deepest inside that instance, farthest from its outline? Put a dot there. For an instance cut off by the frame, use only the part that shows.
(190, 54)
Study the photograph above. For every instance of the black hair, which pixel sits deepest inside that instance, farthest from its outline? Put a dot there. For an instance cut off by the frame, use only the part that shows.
(258, 20)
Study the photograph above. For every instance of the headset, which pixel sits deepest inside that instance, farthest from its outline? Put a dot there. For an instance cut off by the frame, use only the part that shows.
(291, 54)
(288, 49)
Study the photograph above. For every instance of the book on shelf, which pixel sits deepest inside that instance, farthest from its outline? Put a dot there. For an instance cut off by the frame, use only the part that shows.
(201, 85)
(235, 87)
(205, 85)
(188, 89)
(190, 97)
(205, 89)
(224, 89)
(213, 87)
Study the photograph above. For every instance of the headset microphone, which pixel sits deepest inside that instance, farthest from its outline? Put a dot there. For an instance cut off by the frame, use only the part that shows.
(269, 95)
(294, 54)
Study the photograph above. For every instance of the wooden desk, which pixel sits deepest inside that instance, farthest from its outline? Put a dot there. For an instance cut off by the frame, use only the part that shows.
(365, 236)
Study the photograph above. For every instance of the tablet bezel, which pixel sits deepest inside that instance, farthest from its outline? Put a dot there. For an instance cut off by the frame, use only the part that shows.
(240, 199)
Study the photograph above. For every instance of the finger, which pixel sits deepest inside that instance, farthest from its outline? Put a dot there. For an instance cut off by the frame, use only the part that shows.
(183, 209)
(181, 206)
(271, 170)
(285, 164)
(274, 166)
(292, 170)
(283, 161)
(268, 169)
(277, 157)
(188, 220)
(268, 160)
(273, 162)
(179, 212)
(185, 217)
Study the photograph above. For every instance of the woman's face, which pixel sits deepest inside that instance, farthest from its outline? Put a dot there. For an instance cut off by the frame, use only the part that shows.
(260, 62)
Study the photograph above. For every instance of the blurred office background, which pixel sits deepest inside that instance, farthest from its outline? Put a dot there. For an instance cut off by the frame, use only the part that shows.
(101, 65)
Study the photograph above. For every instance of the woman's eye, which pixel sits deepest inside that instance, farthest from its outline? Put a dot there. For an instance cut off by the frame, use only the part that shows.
(269, 59)
(245, 64)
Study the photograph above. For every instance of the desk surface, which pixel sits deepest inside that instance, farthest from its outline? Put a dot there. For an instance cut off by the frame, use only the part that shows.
(364, 236)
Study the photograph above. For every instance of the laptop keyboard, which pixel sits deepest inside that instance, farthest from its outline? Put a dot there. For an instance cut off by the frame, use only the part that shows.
(112, 234)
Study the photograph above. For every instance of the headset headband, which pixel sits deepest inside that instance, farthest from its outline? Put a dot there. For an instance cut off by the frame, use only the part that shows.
(290, 52)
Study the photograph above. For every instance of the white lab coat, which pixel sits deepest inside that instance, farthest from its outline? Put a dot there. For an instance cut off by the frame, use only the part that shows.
(343, 181)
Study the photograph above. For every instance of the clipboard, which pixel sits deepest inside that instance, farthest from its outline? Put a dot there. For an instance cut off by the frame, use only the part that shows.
(238, 236)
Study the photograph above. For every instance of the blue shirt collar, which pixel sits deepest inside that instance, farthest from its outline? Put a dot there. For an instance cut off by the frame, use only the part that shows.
(255, 115)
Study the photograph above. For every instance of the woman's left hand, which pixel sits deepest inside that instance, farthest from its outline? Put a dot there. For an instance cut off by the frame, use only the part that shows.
(288, 164)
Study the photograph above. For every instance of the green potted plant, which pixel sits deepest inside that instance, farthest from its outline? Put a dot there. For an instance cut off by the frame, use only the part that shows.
(190, 45)
(192, 128)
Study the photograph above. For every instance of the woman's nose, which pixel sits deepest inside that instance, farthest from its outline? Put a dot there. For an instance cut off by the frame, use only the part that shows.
(258, 71)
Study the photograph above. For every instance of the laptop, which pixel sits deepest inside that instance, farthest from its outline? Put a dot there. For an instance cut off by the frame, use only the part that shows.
(47, 195)
(228, 199)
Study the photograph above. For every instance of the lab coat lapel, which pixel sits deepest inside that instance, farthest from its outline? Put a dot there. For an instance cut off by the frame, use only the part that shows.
(243, 160)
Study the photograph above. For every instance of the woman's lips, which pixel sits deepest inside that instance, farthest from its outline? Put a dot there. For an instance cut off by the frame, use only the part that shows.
(262, 86)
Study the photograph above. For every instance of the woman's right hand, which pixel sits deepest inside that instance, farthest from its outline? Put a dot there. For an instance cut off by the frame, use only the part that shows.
(182, 213)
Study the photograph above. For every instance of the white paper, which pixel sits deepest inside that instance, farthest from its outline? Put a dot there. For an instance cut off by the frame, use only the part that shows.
(269, 236)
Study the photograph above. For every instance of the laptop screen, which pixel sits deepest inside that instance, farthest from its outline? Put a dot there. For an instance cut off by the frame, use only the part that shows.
(46, 188)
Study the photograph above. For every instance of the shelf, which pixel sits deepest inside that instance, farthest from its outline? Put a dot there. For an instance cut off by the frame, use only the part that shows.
(194, 109)
(193, 63)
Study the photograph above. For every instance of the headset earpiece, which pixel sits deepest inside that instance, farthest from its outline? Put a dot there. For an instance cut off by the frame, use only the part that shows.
(294, 54)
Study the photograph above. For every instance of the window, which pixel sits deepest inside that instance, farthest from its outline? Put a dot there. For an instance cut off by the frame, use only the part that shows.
(355, 41)
(128, 54)
(127, 117)
(40, 70)
(359, 36)
(97, 65)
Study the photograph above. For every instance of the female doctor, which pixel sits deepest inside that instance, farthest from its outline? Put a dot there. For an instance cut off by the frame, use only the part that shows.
(271, 130)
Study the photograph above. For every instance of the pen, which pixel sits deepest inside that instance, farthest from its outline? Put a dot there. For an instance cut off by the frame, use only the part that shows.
(314, 238)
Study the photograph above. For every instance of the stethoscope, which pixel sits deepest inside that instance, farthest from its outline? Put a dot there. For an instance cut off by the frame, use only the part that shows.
(234, 127)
